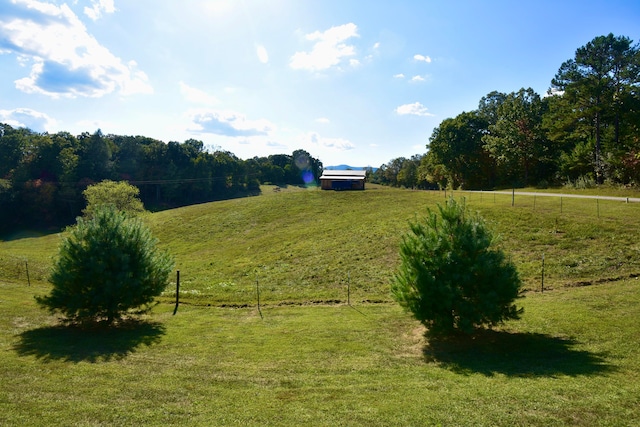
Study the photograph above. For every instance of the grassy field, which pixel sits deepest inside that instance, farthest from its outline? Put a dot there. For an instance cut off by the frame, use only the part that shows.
(310, 358)
(306, 246)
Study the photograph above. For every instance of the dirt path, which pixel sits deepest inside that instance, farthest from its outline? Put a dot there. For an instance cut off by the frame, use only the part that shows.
(577, 196)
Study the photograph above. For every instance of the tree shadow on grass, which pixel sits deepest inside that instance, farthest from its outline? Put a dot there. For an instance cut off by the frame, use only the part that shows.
(76, 344)
(514, 354)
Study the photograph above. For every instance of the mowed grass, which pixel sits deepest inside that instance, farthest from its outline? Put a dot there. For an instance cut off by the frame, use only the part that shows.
(307, 357)
(310, 246)
(572, 360)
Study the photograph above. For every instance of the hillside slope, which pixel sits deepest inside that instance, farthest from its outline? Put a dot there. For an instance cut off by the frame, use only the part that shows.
(307, 246)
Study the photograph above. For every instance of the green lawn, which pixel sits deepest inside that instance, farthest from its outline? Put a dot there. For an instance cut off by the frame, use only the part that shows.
(301, 246)
(572, 360)
(308, 357)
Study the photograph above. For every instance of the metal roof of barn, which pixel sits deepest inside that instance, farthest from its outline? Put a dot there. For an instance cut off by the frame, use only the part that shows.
(344, 178)
(344, 174)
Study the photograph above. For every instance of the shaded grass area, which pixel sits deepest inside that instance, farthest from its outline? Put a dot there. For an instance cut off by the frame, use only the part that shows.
(75, 344)
(572, 360)
(515, 354)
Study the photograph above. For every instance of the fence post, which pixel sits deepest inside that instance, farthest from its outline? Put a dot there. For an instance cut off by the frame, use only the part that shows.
(26, 265)
(258, 294)
(513, 197)
(175, 310)
(542, 285)
(349, 288)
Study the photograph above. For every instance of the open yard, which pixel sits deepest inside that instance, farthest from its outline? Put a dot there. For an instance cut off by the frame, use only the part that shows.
(310, 358)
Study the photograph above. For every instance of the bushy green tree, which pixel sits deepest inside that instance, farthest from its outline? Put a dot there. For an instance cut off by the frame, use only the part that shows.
(456, 144)
(108, 266)
(450, 277)
(121, 195)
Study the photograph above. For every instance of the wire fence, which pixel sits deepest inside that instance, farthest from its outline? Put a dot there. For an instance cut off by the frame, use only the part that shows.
(544, 270)
(21, 270)
(544, 200)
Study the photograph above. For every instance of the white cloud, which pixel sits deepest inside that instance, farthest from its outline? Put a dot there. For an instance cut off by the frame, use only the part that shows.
(338, 144)
(323, 120)
(97, 7)
(263, 55)
(197, 96)
(376, 45)
(277, 145)
(65, 60)
(399, 76)
(329, 49)
(422, 58)
(227, 123)
(417, 79)
(28, 118)
(415, 109)
(553, 92)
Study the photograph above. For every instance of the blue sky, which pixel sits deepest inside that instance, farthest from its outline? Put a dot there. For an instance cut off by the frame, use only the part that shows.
(351, 82)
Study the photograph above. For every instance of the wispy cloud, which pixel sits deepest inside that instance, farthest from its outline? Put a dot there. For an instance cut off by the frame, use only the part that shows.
(98, 7)
(329, 50)
(415, 109)
(422, 58)
(338, 144)
(227, 123)
(28, 118)
(196, 96)
(322, 120)
(263, 55)
(65, 60)
(277, 145)
(417, 79)
(399, 76)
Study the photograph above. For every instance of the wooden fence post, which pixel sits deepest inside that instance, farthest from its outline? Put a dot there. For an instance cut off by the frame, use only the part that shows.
(542, 285)
(26, 265)
(258, 294)
(175, 310)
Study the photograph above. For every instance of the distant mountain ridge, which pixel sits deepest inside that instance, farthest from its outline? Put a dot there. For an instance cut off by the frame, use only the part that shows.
(347, 167)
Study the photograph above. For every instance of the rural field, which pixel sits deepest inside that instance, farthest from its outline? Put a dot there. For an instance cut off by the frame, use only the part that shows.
(327, 345)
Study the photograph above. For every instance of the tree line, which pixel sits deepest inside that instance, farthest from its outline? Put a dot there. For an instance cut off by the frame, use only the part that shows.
(585, 131)
(43, 176)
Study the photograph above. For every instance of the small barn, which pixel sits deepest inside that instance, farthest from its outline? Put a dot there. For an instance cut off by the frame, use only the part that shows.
(343, 179)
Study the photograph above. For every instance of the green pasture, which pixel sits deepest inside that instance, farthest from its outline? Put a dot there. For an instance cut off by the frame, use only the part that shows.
(308, 357)
(572, 360)
(307, 245)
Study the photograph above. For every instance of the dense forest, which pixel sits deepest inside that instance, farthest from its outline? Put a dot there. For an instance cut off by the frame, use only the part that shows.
(43, 176)
(585, 131)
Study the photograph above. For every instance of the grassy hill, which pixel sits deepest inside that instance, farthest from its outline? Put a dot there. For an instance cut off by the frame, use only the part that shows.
(306, 246)
(309, 358)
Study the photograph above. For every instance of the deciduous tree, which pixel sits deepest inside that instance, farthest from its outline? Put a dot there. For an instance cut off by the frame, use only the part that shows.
(120, 195)
(517, 140)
